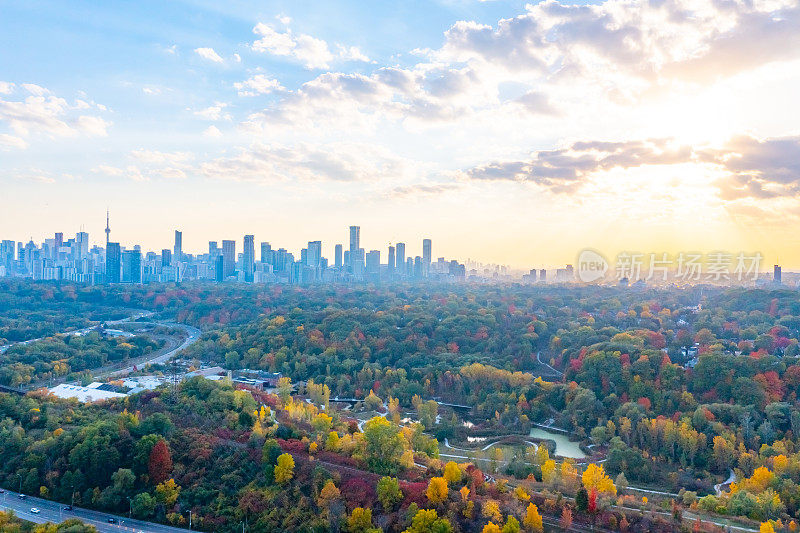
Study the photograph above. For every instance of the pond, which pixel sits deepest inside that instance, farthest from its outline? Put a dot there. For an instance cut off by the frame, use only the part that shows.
(564, 446)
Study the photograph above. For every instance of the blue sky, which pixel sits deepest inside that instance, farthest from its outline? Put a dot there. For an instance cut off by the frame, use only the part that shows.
(454, 120)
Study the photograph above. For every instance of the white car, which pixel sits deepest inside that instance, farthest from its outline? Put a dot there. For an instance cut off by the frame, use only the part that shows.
(34, 510)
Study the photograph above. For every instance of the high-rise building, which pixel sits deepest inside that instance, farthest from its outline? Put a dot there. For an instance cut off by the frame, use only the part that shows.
(355, 238)
(249, 258)
(373, 262)
(400, 262)
(82, 241)
(390, 262)
(337, 256)
(132, 266)
(113, 260)
(543, 275)
(426, 256)
(213, 250)
(229, 258)
(776, 273)
(266, 253)
(314, 253)
(178, 249)
(166, 257)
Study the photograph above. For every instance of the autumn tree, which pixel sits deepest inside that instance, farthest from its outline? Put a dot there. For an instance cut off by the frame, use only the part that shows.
(437, 490)
(160, 464)
(389, 493)
(533, 520)
(452, 473)
(284, 470)
(428, 521)
(594, 477)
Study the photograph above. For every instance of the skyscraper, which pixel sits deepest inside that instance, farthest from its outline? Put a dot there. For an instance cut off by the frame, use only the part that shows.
(178, 249)
(426, 256)
(213, 250)
(228, 258)
(112, 262)
(390, 262)
(166, 257)
(266, 253)
(355, 238)
(249, 257)
(132, 266)
(314, 253)
(776, 273)
(373, 264)
(337, 254)
(400, 262)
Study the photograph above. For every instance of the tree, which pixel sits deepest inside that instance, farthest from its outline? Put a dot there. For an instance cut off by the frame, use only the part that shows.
(582, 499)
(766, 527)
(167, 492)
(160, 464)
(384, 445)
(566, 518)
(452, 473)
(143, 505)
(491, 527)
(533, 520)
(549, 472)
(360, 521)
(437, 490)
(389, 493)
(595, 477)
(284, 470)
(427, 521)
(511, 525)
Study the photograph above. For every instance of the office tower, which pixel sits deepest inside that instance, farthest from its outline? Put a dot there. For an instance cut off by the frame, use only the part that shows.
(213, 250)
(400, 250)
(337, 254)
(314, 253)
(82, 241)
(229, 258)
(266, 253)
(249, 258)
(219, 267)
(390, 261)
(355, 238)
(166, 257)
(132, 266)
(108, 228)
(373, 263)
(59, 240)
(113, 262)
(776, 274)
(178, 249)
(543, 275)
(357, 263)
(426, 256)
(409, 267)
(417, 267)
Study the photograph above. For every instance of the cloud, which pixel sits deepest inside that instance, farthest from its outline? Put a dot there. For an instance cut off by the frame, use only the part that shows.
(214, 112)
(421, 190)
(154, 157)
(209, 54)
(10, 141)
(6, 87)
(339, 162)
(258, 84)
(42, 113)
(749, 167)
(212, 132)
(312, 52)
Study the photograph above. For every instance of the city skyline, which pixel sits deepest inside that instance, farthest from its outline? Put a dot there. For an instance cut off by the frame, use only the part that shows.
(612, 125)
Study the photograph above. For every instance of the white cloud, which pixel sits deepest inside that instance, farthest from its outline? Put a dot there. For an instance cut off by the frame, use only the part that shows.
(10, 141)
(6, 87)
(154, 157)
(312, 52)
(214, 112)
(212, 132)
(258, 84)
(209, 54)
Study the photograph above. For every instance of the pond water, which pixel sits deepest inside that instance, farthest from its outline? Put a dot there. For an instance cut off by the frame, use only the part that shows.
(564, 446)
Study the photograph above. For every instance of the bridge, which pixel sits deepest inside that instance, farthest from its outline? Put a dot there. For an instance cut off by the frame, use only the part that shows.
(12, 390)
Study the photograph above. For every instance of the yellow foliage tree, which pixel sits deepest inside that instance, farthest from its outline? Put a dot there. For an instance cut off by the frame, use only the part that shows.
(437, 490)
(549, 472)
(522, 494)
(594, 477)
(766, 527)
(284, 470)
(452, 473)
(491, 527)
(332, 442)
(491, 510)
(533, 520)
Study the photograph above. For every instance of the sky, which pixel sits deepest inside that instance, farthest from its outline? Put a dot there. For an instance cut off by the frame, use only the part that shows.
(507, 132)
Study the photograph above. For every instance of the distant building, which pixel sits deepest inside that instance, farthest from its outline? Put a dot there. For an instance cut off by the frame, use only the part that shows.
(426, 256)
(228, 258)
(249, 258)
(178, 248)
(132, 266)
(776, 274)
(337, 256)
(113, 260)
(400, 260)
(166, 257)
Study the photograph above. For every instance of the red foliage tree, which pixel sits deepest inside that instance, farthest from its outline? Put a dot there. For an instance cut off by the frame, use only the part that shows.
(160, 464)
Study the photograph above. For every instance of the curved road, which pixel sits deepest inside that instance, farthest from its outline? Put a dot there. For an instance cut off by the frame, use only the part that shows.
(53, 512)
(192, 336)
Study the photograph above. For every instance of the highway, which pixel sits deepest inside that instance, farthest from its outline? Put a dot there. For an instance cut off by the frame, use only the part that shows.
(192, 336)
(53, 512)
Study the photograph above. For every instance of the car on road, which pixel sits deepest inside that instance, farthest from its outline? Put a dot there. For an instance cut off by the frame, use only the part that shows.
(35, 510)
(2, 491)
(22, 496)
(112, 520)
(68, 508)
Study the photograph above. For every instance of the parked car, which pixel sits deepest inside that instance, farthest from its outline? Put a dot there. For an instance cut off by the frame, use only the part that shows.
(68, 508)
(35, 510)
(112, 520)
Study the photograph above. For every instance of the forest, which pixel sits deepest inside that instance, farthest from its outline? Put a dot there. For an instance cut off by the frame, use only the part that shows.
(680, 389)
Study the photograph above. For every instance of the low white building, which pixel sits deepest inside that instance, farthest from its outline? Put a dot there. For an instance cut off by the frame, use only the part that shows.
(84, 394)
